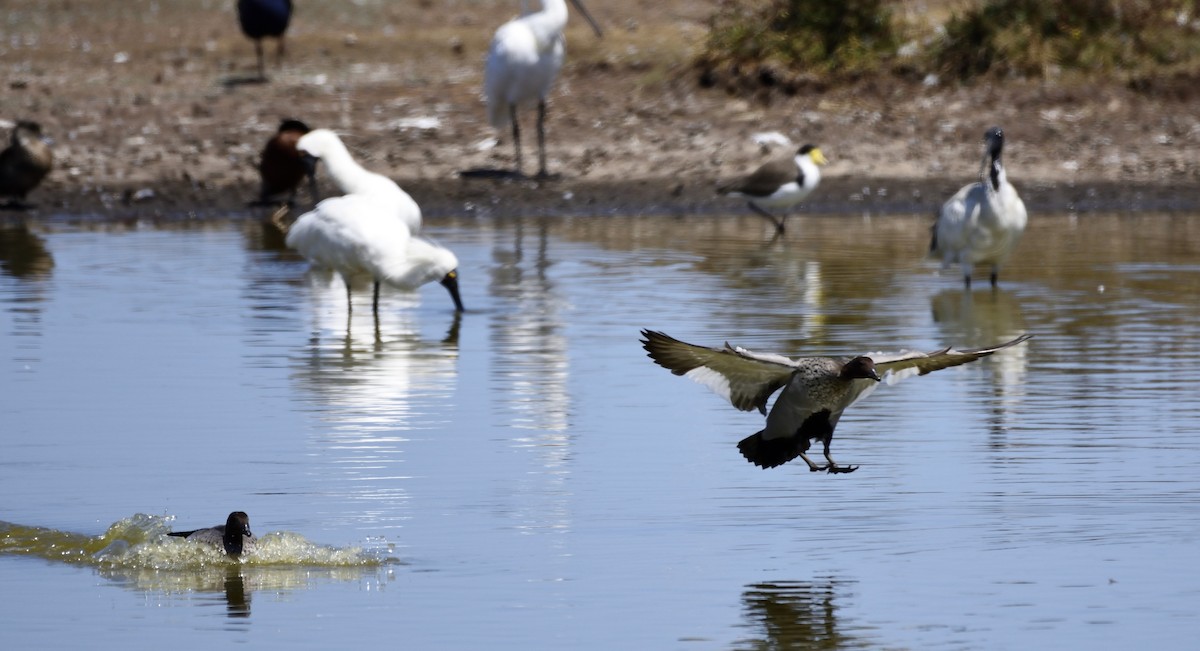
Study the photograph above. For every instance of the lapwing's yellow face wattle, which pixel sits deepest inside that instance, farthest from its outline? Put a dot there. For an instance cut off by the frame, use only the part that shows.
(817, 156)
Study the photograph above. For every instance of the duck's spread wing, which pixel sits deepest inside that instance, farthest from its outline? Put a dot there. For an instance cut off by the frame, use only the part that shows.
(743, 378)
(897, 366)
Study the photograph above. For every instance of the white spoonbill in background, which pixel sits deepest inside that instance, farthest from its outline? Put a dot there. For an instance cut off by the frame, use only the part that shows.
(352, 178)
(522, 63)
(358, 235)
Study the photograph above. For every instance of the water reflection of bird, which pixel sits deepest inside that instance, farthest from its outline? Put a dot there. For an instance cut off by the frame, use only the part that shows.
(374, 393)
(780, 183)
(23, 253)
(282, 166)
(352, 178)
(533, 360)
(984, 317)
(797, 615)
(522, 63)
(982, 222)
(234, 536)
(356, 235)
(988, 316)
(24, 163)
(237, 598)
(816, 390)
(260, 19)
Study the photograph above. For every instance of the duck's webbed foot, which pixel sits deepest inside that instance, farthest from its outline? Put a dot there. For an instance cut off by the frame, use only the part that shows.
(834, 468)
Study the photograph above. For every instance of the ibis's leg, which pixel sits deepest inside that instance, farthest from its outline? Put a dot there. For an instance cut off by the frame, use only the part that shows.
(512, 112)
(541, 137)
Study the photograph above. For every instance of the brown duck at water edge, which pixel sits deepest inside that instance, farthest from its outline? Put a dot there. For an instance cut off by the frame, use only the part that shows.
(24, 163)
(234, 536)
(816, 390)
(283, 167)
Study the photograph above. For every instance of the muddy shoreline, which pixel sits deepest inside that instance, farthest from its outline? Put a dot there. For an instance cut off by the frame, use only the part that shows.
(504, 199)
(151, 119)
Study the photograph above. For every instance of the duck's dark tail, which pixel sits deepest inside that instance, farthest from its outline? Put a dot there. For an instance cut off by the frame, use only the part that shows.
(768, 453)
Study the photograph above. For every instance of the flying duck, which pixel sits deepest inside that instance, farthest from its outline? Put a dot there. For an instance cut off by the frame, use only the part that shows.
(780, 183)
(234, 536)
(983, 221)
(816, 390)
(25, 162)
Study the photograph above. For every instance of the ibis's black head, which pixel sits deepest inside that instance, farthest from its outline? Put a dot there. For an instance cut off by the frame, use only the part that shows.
(450, 282)
(859, 368)
(995, 141)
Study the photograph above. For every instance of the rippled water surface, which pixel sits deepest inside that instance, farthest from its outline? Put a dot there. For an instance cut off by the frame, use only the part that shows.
(523, 477)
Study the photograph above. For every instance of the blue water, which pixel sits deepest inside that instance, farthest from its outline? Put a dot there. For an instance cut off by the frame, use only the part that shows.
(523, 477)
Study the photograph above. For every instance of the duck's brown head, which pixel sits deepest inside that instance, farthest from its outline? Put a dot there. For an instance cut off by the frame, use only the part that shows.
(859, 368)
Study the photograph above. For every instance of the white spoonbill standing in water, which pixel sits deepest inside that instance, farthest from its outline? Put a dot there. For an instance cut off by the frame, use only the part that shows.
(983, 221)
(360, 235)
(351, 178)
(522, 63)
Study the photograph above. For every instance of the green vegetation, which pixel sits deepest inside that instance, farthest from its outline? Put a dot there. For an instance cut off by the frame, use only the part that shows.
(791, 41)
(788, 42)
(1035, 38)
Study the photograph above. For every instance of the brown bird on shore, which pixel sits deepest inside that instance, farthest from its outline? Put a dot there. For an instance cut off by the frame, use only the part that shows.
(282, 166)
(816, 390)
(24, 163)
(780, 183)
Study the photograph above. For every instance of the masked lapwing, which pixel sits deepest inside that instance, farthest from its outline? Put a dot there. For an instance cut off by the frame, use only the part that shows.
(779, 184)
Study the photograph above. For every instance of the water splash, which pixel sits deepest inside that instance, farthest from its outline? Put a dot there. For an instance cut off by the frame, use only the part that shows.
(140, 542)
